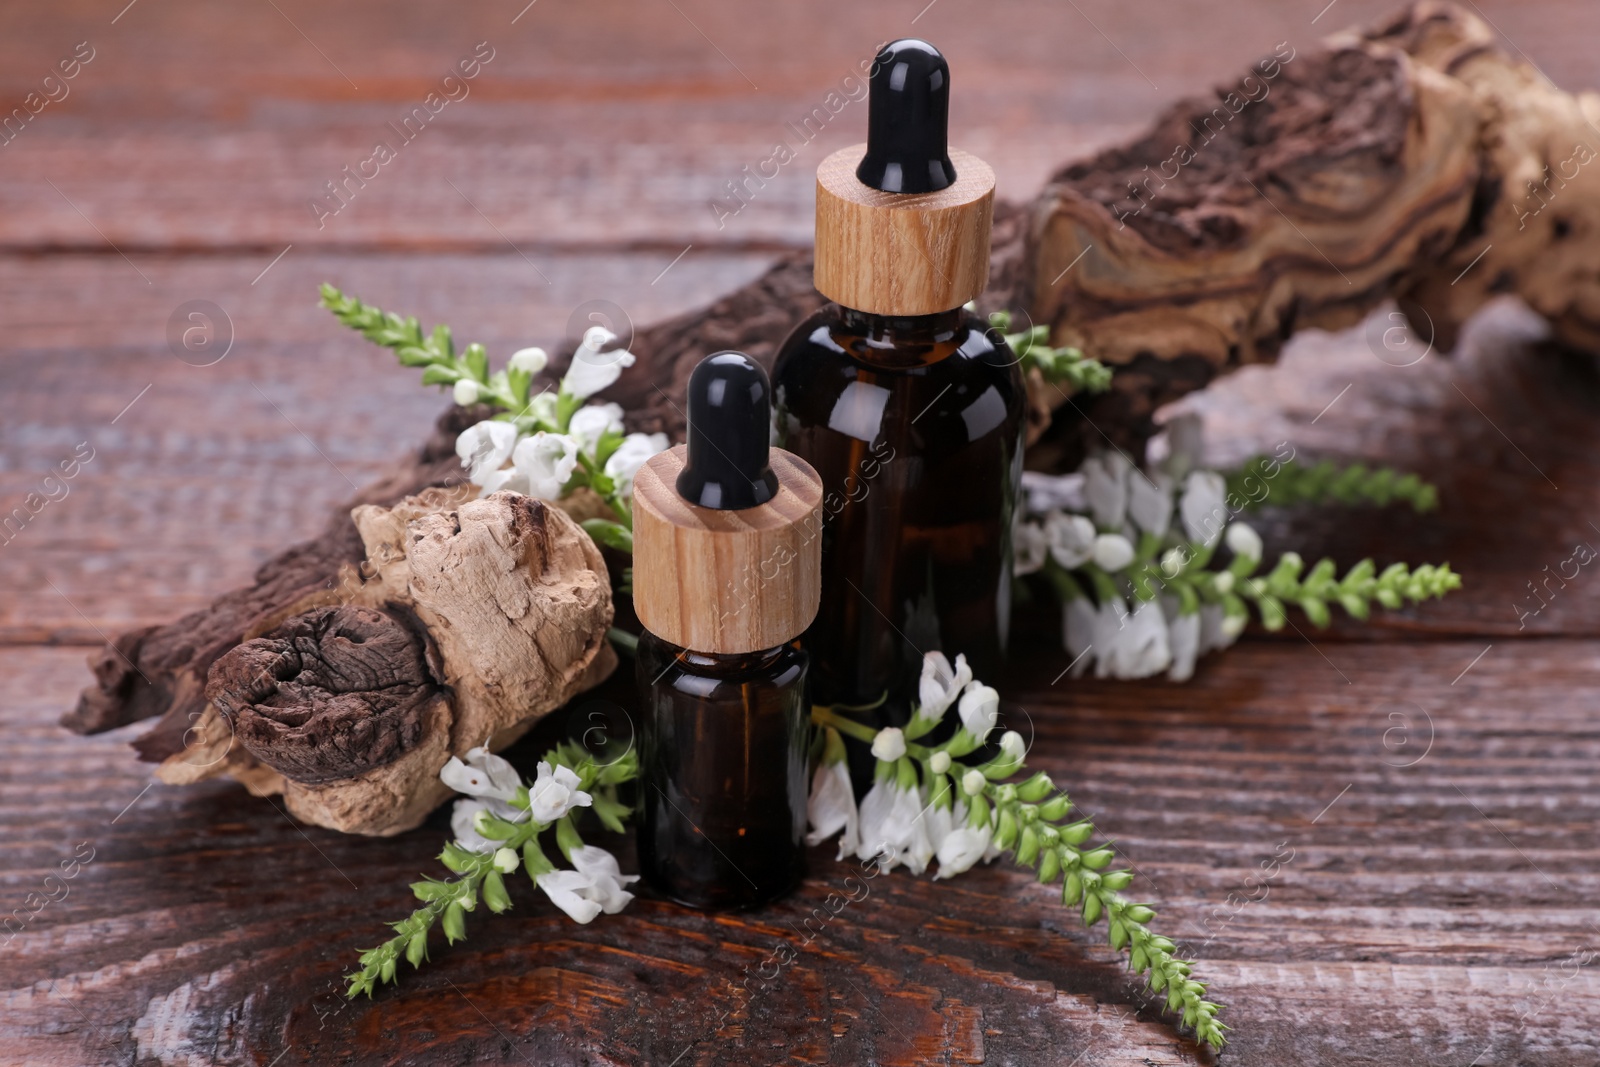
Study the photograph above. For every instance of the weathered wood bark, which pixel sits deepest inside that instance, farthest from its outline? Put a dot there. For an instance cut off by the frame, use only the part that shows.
(465, 621)
(330, 694)
(1305, 193)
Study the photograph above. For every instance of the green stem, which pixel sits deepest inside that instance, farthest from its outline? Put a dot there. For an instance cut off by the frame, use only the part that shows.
(825, 716)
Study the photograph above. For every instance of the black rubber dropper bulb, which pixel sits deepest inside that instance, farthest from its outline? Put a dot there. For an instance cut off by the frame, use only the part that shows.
(730, 419)
(908, 119)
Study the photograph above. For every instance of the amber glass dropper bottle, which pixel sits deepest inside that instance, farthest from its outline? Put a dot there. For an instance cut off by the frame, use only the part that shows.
(909, 408)
(726, 548)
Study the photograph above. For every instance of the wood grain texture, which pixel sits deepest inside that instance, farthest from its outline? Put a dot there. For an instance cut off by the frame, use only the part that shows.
(726, 581)
(893, 254)
(1432, 911)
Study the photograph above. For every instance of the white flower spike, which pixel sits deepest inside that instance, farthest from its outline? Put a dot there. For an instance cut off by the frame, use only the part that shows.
(528, 360)
(1031, 548)
(961, 849)
(1243, 541)
(592, 369)
(1071, 538)
(546, 461)
(1112, 552)
(980, 710)
(595, 886)
(635, 450)
(890, 744)
(832, 807)
(555, 793)
(1204, 506)
(593, 422)
(940, 684)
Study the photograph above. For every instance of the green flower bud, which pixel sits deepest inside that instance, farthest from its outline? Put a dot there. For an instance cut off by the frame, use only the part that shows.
(1036, 788)
(1072, 889)
(1055, 809)
(1050, 866)
(1028, 847)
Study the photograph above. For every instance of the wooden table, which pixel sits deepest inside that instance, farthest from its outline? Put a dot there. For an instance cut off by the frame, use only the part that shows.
(1434, 776)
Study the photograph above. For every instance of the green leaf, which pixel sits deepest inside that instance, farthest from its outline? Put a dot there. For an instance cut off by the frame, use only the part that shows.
(475, 361)
(610, 534)
(441, 374)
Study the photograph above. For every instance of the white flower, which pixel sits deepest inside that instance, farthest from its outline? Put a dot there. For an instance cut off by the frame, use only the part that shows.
(466, 392)
(1150, 501)
(554, 793)
(482, 774)
(1212, 636)
(940, 684)
(506, 860)
(635, 450)
(593, 422)
(936, 826)
(979, 708)
(531, 360)
(1112, 552)
(542, 406)
(961, 849)
(547, 461)
(1183, 638)
(594, 887)
(1012, 746)
(591, 369)
(464, 824)
(1078, 617)
(1105, 487)
(1029, 546)
(1176, 449)
(1233, 626)
(832, 807)
(1203, 506)
(1223, 582)
(939, 762)
(1141, 647)
(972, 782)
(484, 449)
(1243, 541)
(1071, 538)
(1110, 620)
(1052, 492)
(890, 744)
(892, 828)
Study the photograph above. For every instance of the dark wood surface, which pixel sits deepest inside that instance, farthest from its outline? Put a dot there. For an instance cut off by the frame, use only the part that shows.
(1433, 773)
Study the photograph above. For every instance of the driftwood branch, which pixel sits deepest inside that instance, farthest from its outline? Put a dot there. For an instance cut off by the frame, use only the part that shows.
(1416, 161)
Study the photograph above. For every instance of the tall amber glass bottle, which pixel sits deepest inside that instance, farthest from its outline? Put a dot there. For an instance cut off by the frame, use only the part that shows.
(726, 547)
(910, 410)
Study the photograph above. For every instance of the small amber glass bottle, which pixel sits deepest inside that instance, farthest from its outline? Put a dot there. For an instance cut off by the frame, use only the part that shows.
(726, 557)
(910, 409)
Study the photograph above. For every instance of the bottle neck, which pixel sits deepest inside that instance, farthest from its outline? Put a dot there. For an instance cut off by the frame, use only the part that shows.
(718, 662)
(890, 330)
(898, 342)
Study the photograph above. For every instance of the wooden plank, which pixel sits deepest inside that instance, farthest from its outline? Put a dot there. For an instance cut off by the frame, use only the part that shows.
(212, 469)
(1426, 913)
(616, 124)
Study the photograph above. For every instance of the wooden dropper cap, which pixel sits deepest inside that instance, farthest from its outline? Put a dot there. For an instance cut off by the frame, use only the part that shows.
(903, 221)
(727, 531)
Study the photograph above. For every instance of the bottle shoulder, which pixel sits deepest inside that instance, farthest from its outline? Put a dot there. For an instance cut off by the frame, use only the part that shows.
(934, 391)
(704, 674)
(829, 339)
